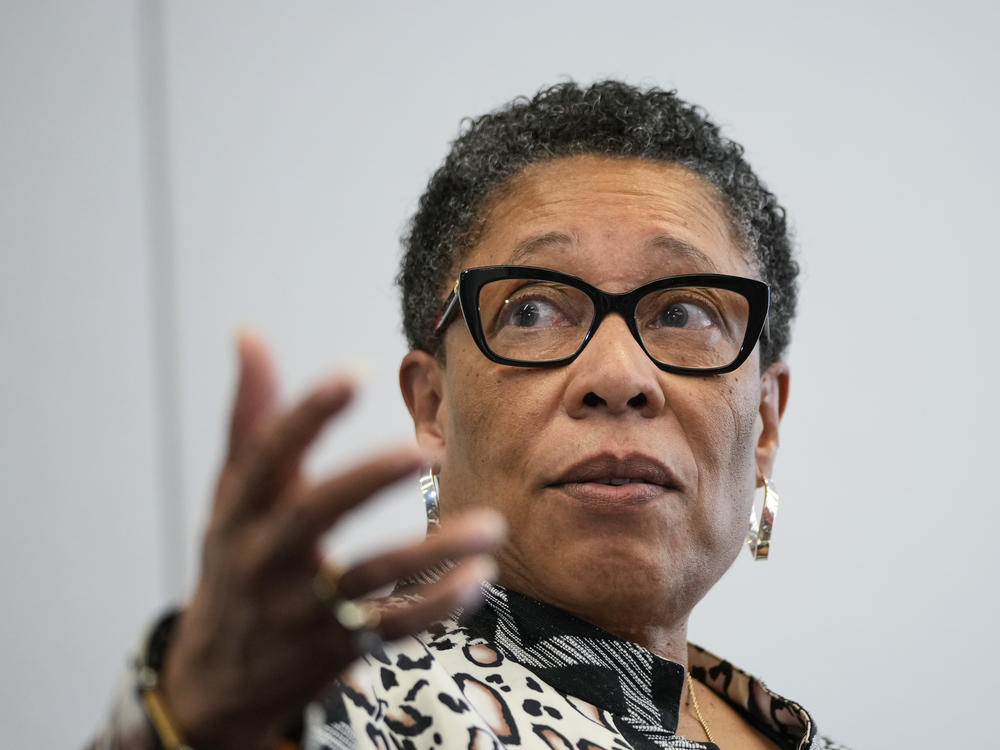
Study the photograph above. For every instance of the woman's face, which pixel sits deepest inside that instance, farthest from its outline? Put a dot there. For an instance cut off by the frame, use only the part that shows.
(541, 444)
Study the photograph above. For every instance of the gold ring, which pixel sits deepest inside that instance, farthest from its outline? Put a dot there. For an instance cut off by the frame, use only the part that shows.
(326, 583)
(359, 619)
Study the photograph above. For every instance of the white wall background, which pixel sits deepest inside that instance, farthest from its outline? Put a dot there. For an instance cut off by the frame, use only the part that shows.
(169, 172)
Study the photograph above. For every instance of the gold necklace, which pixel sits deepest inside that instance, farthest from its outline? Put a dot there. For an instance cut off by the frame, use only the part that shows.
(697, 709)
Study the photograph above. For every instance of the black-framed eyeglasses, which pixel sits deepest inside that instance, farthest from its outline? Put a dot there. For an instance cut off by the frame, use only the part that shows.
(536, 317)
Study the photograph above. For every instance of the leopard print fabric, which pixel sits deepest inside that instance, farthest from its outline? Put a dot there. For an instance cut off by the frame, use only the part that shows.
(520, 673)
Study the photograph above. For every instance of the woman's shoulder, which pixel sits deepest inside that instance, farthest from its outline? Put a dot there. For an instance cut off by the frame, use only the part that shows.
(775, 715)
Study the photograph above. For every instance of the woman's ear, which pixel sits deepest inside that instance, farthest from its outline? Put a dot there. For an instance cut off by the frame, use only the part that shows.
(773, 397)
(421, 381)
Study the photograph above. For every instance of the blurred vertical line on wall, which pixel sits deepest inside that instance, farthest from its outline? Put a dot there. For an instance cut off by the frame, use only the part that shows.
(154, 98)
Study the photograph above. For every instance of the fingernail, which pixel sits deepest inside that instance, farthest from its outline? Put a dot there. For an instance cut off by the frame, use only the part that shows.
(491, 523)
(480, 570)
(243, 335)
(360, 371)
(489, 570)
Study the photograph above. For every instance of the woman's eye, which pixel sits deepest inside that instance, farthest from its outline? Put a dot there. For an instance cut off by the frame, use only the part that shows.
(531, 313)
(684, 315)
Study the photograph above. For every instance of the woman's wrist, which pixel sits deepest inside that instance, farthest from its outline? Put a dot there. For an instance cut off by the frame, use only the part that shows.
(183, 702)
(148, 667)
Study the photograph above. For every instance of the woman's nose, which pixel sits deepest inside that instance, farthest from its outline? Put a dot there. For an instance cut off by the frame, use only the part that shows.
(613, 375)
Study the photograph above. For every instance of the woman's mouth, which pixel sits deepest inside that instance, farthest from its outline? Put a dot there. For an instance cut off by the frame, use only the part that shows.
(615, 482)
(609, 482)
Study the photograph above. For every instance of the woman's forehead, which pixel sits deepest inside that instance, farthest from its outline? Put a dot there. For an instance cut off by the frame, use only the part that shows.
(633, 213)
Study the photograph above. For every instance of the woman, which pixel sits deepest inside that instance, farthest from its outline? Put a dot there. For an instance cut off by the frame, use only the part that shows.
(597, 292)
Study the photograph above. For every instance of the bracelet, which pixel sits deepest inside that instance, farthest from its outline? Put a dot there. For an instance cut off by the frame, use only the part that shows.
(148, 663)
(163, 725)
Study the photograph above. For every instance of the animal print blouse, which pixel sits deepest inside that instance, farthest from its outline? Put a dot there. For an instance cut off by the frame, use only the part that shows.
(520, 673)
(514, 673)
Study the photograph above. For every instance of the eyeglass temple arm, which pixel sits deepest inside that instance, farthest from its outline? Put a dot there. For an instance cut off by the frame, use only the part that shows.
(765, 333)
(444, 317)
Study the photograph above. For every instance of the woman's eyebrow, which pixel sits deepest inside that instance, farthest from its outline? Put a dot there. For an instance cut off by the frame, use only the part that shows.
(685, 250)
(533, 244)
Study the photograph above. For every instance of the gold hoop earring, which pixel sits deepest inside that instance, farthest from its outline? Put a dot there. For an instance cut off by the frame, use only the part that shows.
(430, 491)
(759, 535)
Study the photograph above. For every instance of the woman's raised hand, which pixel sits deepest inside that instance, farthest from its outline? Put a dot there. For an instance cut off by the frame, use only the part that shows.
(256, 643)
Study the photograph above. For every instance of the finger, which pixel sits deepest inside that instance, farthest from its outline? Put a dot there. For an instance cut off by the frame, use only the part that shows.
(475, 533)
(459, 589)
(256, 392)
(273, 460)
(317, 509)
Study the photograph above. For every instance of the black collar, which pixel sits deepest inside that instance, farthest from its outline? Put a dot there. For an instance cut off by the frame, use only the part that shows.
(582, 660)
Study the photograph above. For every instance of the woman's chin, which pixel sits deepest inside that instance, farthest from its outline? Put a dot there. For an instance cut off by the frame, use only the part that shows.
(601, 579)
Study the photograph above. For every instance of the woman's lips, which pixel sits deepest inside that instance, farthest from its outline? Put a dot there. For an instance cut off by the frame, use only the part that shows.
(608, 481)
(611, 496)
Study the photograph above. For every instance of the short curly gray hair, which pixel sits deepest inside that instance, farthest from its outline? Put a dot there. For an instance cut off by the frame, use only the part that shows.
(608, 118)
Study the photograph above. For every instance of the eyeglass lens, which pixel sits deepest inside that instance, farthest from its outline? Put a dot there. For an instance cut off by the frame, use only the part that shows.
(536, 321)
